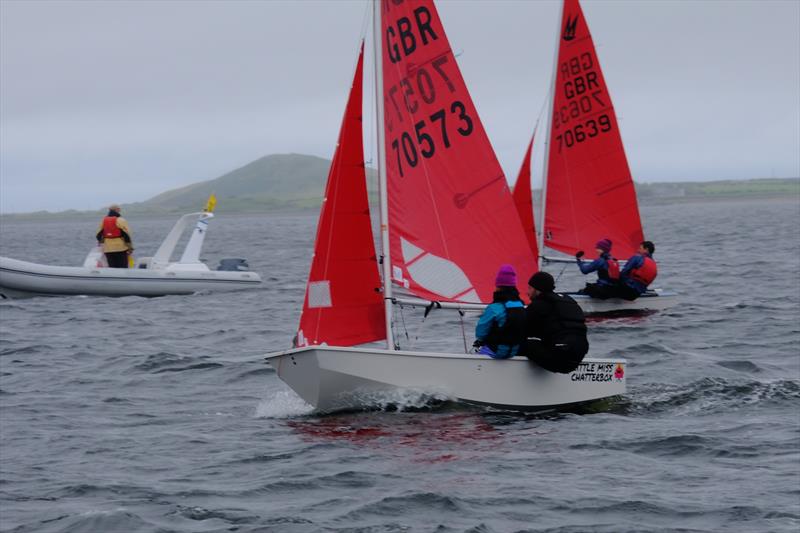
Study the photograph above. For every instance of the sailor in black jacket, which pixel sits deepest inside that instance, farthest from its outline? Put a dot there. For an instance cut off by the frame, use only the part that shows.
(555, 327)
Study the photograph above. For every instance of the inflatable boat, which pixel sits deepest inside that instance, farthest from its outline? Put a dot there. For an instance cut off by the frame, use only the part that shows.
(150, 276)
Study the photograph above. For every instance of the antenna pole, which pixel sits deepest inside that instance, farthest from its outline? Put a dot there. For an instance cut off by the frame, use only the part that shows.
(548, 133)
(382, 193)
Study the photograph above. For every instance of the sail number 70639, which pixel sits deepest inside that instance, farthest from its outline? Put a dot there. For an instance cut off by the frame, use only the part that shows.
(581, 132)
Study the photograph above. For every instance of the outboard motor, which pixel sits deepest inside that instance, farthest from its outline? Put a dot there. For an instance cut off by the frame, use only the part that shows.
(233, 264)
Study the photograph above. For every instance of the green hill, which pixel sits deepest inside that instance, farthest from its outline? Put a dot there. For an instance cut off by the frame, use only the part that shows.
(296, 181)
(276, 181)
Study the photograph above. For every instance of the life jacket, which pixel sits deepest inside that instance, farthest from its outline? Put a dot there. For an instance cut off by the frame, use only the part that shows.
(110, 229)
(646, 273)
(613, 269)
(611, 272)
(512, 332)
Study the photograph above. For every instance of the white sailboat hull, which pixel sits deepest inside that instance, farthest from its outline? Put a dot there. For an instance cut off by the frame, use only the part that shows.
(23, 279)
(654, 300)
(334, 378)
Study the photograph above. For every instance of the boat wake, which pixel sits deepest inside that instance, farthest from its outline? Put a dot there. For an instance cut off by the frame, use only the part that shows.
(282, 404)
(711, 394)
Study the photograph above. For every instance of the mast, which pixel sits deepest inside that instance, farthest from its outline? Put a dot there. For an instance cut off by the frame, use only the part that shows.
(382, 196)
(548, 132)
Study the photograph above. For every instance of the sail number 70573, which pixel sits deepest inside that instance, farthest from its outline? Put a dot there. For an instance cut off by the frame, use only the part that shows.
(408, 149)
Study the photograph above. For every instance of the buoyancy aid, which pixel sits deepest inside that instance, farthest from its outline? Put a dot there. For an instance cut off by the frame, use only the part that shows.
(512, 332)
(613, 269)
(646, 273)
(110, 229)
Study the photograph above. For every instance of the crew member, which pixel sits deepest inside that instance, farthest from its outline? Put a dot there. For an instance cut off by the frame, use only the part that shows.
(639, 272)
(555, 327)
(501, 328)
(607, 269)
(115, 237)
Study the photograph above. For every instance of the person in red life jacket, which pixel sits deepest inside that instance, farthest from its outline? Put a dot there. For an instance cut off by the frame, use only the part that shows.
(555, 327)
(115, 237)
(500, 331)
(607, 269)
(639, 272)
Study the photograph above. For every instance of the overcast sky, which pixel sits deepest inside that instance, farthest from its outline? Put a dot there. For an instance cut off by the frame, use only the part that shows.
(118, 101)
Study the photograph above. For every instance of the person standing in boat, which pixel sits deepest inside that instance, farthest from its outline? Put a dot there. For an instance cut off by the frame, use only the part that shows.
(639, 272)
(555, 327)
(500, 331)
(115, 236)
(607, 269)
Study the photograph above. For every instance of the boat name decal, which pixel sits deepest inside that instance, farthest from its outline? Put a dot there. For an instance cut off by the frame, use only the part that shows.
(594, 372)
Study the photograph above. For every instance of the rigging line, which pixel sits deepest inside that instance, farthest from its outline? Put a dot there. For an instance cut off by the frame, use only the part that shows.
(562, 272)
(463, 330)
(417, 335)
(428, 309)
(538, 211)
(366, 19)
(405, 328)
(369, 74)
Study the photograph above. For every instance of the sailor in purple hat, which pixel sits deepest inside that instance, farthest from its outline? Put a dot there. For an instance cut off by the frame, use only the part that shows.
(607, 269)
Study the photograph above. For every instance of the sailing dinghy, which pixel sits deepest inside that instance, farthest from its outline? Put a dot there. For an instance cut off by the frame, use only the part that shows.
(447, 222)
(587, 191)
(150, 276)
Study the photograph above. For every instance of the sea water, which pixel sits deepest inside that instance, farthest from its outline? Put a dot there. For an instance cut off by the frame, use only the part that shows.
(138, 415)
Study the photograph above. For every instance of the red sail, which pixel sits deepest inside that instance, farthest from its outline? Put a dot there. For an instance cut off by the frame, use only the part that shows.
(342, 305)
(452, 221)
(523, 199)
(590, 193)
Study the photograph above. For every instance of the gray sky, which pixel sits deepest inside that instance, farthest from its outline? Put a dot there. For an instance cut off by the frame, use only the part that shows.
(118, 101)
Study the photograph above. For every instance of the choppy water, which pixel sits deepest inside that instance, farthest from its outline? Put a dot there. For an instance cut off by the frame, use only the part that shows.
(159, 414)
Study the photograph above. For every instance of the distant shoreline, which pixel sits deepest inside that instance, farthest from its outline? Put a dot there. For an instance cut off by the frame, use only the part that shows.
(647, 201)
(296, 183)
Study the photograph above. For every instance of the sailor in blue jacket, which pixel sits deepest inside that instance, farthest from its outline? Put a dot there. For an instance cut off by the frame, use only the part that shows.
(639, 272)
(607, 269)
(500, 331)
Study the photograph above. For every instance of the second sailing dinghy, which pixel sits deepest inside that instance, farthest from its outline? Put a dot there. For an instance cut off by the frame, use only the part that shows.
(447, 223)
(587, 190)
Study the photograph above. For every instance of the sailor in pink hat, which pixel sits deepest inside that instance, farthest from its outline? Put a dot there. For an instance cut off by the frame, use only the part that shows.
(500, 331)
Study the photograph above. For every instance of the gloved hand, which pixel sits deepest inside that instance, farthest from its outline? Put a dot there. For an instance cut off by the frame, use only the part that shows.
(477, 344)
(579, 254)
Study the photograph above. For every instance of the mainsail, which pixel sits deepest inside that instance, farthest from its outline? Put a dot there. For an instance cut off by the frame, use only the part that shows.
(590, 193)
(452, 220)
(523, 199)
(343, 305)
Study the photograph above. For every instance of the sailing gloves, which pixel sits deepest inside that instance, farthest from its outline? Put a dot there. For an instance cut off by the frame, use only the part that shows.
(579, 254)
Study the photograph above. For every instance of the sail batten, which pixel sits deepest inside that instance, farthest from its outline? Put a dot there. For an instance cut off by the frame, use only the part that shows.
(590, 193)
